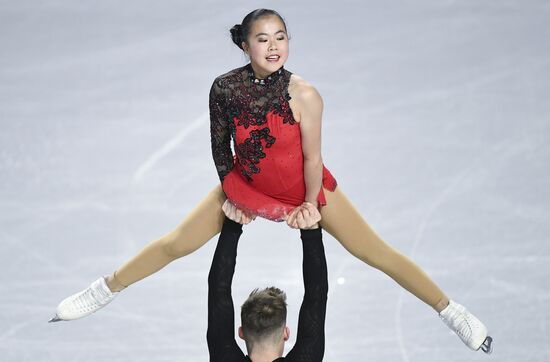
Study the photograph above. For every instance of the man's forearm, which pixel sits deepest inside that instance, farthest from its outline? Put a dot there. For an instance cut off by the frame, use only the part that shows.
(310, 340)
(314, 264)
(221, 321)
(224, 260)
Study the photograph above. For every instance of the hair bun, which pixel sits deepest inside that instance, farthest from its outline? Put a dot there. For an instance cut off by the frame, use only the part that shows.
(237, 35)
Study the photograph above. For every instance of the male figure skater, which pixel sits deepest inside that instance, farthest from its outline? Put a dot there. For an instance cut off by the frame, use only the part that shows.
(263, 315)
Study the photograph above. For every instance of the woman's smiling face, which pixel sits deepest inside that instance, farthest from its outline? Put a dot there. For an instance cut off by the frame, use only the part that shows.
(267, 45)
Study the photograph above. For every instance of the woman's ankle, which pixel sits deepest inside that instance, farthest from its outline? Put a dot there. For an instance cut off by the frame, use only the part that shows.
(113, 283)
(442, 304)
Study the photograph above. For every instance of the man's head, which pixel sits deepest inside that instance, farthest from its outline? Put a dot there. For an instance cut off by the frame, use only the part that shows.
(263, 318)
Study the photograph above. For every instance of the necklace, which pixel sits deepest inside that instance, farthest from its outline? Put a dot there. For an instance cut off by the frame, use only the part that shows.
(268, 80)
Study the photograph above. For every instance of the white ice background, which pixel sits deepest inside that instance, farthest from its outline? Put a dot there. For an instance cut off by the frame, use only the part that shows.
(436, 126)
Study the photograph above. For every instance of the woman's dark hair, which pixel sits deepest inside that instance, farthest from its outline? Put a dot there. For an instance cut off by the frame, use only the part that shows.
(239, 32)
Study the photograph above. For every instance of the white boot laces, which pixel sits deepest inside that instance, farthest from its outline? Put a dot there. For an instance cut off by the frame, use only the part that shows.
(457, 320)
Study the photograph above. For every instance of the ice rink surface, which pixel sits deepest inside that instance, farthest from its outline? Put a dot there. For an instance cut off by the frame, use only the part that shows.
(436, 126)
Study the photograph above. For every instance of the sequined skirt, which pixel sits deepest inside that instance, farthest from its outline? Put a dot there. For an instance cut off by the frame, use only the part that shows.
(249, 196)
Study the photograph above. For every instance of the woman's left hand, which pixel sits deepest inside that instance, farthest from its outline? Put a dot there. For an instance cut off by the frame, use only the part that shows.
(305, 216)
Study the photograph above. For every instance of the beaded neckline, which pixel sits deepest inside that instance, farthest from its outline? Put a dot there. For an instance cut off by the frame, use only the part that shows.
(268, 80)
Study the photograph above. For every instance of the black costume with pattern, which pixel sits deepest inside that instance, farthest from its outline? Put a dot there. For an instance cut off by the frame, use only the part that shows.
(310, 338)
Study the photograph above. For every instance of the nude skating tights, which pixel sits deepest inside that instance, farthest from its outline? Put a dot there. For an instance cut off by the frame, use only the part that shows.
(339, 218)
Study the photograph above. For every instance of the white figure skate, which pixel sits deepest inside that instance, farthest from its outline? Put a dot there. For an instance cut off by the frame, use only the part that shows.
(84, 303)
(470, 329)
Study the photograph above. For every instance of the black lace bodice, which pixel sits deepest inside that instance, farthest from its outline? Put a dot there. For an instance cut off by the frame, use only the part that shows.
(238, 99)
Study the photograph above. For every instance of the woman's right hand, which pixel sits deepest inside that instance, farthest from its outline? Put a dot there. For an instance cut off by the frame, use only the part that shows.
(235, 214)
(305, 216)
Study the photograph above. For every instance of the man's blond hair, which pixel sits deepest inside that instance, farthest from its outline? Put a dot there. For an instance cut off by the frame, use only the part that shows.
(263, 314)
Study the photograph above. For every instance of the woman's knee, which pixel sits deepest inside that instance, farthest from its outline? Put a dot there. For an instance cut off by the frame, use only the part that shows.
(177, 244)
(384, 258)
(377, 254)
(191, 235)
(202, 224)
(173, 246)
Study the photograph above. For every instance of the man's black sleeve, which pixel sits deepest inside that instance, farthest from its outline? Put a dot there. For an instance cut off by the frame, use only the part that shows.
(221, 321)
(310, 339)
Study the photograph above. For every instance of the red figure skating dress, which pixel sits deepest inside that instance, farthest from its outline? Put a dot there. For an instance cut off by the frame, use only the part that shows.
(266, 175)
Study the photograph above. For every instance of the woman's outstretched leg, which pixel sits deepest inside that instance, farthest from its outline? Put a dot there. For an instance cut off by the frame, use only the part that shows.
(345, 224)
(203, 223)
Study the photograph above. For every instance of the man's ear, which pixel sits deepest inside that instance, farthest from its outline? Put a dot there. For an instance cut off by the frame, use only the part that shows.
(286, 333)
(241, 333)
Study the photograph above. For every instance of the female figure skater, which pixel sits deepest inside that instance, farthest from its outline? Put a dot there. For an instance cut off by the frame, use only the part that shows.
(274, 118)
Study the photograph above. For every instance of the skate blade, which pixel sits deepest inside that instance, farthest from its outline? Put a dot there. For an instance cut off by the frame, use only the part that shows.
(487, 345)
(55, 319)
